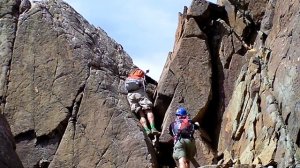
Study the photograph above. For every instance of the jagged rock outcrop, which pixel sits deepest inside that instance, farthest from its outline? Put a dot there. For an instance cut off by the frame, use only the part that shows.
(186, 79)
(62, 91)
(251, 110)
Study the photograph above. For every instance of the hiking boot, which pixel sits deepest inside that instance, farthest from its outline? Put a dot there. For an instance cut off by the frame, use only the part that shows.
(154, 131)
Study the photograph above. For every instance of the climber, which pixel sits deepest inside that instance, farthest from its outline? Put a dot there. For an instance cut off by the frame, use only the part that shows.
(138, 99)
(182, 131)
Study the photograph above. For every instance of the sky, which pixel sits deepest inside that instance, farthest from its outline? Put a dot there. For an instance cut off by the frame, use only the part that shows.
(145, 28)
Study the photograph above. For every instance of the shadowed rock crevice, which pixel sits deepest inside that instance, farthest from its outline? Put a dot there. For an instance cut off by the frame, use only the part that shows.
(55, 134)
(25, 136)
(8, 156)
(73, 110)
(214, 116)
(164, 155)
(162, 108)
(298, 139)
(211, 122)
(212, 119)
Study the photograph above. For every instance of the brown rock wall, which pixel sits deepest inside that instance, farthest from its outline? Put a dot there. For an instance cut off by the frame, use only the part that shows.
(65, 100)
(254, 69)
(268, 125)
(234, 67)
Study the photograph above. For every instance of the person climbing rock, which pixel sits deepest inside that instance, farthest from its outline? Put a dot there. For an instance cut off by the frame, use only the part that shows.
(182, 131)
(139, 101)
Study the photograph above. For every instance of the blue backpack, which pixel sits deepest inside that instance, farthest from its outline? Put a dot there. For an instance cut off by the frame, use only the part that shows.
(183, 128)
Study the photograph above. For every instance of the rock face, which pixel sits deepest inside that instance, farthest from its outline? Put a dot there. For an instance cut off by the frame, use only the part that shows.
(234, 66)
(242, 83)
(62, 91)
